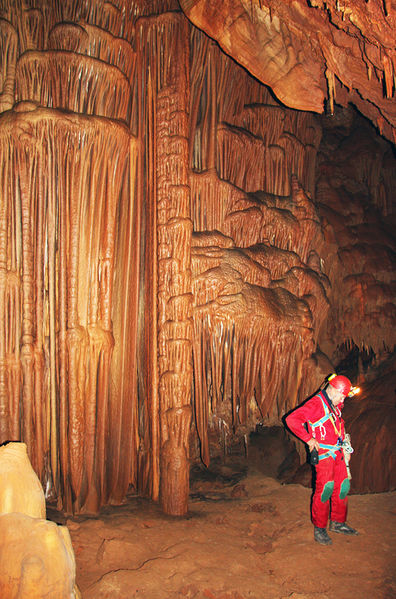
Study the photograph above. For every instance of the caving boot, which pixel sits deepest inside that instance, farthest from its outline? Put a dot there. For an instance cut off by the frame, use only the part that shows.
(343, 528)
(321, 536)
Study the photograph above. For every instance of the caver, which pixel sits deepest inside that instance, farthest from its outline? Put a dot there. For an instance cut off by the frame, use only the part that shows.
(319, 424)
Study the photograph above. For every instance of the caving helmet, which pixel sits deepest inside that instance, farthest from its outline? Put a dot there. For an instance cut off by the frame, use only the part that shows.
(341, 383)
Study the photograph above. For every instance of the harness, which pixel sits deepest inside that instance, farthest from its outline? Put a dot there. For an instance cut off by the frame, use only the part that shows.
(331, 449)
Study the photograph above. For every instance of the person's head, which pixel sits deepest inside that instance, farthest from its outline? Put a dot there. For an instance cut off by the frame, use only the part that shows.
(338, 388)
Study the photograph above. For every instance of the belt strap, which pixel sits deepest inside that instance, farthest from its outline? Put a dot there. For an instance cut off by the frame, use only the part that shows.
(331, 451)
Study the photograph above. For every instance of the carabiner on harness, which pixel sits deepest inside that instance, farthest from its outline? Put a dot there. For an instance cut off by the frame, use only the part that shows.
(346, 444)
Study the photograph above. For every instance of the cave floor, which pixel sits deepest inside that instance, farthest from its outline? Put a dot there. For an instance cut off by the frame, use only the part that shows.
(252, 539)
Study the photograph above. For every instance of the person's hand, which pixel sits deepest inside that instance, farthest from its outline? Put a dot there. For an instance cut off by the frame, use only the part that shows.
(313, 444)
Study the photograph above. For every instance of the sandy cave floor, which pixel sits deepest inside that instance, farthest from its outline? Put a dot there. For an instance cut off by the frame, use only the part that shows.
(252, 539)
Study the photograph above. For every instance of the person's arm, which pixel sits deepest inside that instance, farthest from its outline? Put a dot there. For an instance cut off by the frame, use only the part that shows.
(313, 444)
(296, 420)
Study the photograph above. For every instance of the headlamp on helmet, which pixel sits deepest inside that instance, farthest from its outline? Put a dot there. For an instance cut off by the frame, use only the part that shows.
(341, 383)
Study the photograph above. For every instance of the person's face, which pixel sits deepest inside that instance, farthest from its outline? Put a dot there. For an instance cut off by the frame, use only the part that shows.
(335, 395)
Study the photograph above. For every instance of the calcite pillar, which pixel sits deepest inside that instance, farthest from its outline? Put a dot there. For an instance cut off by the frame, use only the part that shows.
(173, 231)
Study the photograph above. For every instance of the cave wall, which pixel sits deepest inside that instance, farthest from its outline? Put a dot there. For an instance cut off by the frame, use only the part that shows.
(258, 305)
(181, 255)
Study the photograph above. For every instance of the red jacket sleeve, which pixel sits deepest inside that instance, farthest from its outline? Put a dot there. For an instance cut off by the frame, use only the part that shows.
(310, 410)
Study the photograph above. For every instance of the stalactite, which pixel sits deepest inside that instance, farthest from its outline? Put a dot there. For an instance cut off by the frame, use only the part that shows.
(149, 426)
(9, 54)
(250, 253)
(239, 158)
(34, 29)
(288, 136)
(82, 198)
(216, 98)
(95, 42)
(9, 298)
(370, 309)
(246, 340)
(118, 17)
(271, 135)
(199, 50)
(209, 214)
(331, 88)
(288, 223)
(123, 416)
(240, 301)
(74, 82)
(266, 121)
(249, 256)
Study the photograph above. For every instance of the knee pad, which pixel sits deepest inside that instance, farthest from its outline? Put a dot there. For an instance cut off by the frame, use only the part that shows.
(327, 491)
(344, 489)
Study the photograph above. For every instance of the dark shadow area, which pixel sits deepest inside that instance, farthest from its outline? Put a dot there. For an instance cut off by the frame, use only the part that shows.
(273, 453)
(220, 481)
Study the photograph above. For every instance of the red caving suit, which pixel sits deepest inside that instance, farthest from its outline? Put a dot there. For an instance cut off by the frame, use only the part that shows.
(324, 422)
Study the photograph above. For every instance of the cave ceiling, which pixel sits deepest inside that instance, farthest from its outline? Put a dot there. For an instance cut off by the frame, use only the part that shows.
(313, 53)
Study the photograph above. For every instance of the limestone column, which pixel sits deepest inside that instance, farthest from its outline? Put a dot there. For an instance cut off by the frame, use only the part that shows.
(174, 231)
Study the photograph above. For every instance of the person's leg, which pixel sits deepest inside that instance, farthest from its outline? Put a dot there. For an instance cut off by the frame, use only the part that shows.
(339, 499)
(324, 487)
